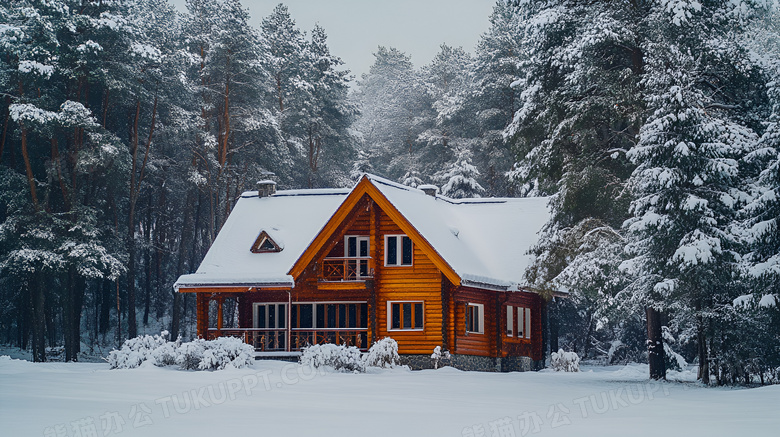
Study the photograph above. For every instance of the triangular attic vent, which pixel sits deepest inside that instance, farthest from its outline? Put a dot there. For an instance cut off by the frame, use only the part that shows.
(265, 244)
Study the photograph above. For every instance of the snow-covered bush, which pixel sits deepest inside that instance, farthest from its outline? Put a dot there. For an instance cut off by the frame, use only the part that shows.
(190, 354)
(565, 361)
(226, 352)
(438, 355)
(136, 351)
(195, 355)
(339, 357)
(383, 353)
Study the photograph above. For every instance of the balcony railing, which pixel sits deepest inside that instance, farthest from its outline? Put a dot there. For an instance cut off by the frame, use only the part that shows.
(347, 269)
(266, 340)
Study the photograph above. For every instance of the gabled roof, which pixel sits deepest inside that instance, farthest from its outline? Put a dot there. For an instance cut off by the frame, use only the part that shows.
(291, 218)
(485, 240)
(475, 242)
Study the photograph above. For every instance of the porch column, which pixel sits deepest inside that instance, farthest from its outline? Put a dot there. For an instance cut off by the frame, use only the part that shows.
(202, 314)
(220, 299)
(289, 320)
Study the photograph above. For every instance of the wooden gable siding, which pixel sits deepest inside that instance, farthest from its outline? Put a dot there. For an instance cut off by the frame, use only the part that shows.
(422, 281)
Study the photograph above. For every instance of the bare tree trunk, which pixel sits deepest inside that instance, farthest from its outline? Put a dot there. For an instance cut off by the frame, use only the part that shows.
(655, 345)
(38, 304)
(135, 188)
(187, 234)
(28, 167)
(704, 364)
(148, 262)
(5, 127)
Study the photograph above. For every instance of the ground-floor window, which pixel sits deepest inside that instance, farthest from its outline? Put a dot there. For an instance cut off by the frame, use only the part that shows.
(518, 321)
(340, 315)
(475, 318)
(310, 323)
(270, 321)
(270, 315)
(329, 322)
(405, 315)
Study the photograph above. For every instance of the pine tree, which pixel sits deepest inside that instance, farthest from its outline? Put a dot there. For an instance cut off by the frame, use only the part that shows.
(390, 98)
(685, 183)
(459, 180)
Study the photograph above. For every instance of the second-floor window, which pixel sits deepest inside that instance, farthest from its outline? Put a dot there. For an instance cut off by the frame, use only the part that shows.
(398, 250)
(356, 246)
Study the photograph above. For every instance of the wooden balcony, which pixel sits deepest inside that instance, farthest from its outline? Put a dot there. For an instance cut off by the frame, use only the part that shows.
(268, 340)
(347, 269)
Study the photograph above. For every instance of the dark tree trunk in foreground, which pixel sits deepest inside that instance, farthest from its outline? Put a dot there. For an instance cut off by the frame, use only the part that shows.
(704, 365)
(655, 344)
(38, 299)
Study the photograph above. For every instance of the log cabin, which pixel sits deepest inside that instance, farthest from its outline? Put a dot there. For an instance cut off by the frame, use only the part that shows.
(352, 266)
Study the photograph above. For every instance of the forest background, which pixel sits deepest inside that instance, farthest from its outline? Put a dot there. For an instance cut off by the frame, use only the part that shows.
(128, 130)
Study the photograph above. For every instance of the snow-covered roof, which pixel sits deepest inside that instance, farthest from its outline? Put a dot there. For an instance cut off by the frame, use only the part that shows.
(485, 241)
(291, 218)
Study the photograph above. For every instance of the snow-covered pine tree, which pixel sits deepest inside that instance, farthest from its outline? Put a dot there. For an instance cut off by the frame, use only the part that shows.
(577, 108)
(459, 180)
(489, 104)
(288, 64)
(685, 183)
(328, 116)
(444, 81)
(68, 158)
(760, 230)
(391, 100)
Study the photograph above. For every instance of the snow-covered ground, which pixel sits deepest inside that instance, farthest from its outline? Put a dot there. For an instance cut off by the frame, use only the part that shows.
(274, 398)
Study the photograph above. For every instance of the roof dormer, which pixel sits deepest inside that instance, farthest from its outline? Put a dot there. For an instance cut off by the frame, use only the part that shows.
(265, 244)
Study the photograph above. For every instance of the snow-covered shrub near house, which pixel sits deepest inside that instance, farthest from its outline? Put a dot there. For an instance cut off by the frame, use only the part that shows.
(190, 354)
(195, 355)
(383, 353)
(438, 355)
(339, 357)
(226, 352)
(565, 361)
(136, 351)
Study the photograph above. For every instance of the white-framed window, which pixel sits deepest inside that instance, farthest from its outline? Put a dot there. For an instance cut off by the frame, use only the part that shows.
(405, 316)
(523, 322)
(475, 318)
(398, 250)
(270, 315)
(518, 322)
(357, 246)
(527, 322)
(510, 321)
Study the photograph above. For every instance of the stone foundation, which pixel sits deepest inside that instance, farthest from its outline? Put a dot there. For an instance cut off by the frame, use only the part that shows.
(460, 362)
(474, 363)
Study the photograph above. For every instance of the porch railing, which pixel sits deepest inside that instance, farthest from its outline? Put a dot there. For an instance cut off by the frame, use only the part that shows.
(347, 269)
(264, 339)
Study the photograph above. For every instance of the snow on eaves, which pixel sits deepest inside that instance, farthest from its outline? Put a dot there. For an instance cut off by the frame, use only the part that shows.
(291, 218)
(486, 241)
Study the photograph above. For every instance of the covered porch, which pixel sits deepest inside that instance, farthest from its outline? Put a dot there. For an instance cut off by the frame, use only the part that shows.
(271, 321)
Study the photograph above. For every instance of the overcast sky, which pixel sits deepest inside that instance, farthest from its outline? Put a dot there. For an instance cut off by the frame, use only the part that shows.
(356, 27)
